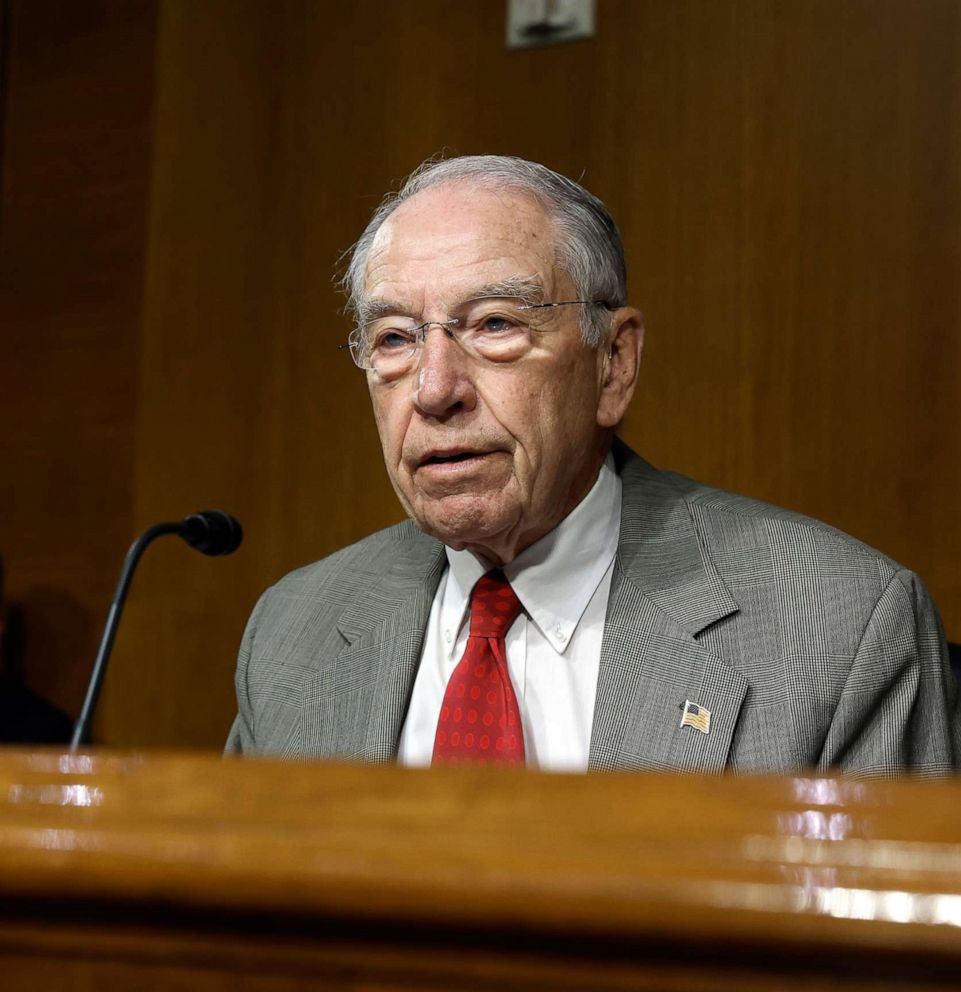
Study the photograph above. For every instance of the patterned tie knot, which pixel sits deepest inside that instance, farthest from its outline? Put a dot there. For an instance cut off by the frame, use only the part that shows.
(494, 606)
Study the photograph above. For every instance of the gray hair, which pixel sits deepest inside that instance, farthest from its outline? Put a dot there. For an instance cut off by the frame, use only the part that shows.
(589, 247)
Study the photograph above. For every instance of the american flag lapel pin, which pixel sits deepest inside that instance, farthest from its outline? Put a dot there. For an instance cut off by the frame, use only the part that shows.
(696, 716)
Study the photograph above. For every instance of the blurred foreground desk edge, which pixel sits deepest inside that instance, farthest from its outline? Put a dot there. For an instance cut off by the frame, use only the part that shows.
(183, 871)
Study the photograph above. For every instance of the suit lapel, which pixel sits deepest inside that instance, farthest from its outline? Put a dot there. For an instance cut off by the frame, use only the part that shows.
(360, 699)
(665, 590)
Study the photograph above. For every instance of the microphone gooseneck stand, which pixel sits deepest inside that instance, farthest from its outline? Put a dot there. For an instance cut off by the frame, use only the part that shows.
(211, 532)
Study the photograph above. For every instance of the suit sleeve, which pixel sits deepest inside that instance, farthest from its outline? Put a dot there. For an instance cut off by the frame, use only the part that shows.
(898, 710)
(242, 736)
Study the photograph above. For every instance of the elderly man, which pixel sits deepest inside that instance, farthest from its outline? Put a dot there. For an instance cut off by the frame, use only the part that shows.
(557, 601)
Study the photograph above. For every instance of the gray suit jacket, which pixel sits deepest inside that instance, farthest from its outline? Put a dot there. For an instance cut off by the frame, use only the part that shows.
(810, 649)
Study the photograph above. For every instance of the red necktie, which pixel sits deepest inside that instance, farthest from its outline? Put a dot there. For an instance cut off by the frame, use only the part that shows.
(479, 719)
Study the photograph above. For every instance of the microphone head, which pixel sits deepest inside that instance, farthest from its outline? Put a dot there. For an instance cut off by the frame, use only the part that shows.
(212, 532)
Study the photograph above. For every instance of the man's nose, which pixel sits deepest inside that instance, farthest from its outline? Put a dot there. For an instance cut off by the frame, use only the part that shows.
(443, 383)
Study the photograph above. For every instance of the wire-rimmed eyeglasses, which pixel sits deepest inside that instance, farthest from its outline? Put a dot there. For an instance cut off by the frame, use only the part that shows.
(494, 329)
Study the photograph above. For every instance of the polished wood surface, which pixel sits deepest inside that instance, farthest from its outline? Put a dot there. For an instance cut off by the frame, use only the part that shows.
(784, 172)
(336, 876)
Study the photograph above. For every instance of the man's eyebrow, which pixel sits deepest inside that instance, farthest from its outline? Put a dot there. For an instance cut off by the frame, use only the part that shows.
(527, 289)
(372, 309)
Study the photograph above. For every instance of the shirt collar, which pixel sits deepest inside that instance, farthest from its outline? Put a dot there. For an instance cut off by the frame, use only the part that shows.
(556, 577)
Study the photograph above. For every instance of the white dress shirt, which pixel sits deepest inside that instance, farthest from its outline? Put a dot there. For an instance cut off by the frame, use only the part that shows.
(554, 646)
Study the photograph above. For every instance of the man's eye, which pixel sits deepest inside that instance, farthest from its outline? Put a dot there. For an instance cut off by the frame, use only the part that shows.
(497, 324)
(392, 339)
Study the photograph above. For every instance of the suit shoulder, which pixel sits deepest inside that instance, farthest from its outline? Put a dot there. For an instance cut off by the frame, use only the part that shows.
(363, 562)
(732, 527)
(730, 522)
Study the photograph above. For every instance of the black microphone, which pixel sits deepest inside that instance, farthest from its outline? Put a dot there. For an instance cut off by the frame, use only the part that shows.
(212, 532)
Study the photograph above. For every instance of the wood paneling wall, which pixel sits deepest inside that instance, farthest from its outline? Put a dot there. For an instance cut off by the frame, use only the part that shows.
(786, 175)
(78, 90)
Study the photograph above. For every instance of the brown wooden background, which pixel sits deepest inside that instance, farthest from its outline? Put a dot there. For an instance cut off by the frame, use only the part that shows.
(179, 179)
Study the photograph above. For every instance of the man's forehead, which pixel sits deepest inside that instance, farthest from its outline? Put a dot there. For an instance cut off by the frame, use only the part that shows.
(456, 238)
(466, 200)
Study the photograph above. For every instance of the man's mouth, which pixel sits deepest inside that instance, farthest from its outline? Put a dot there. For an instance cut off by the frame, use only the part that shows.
(450, 457)
(461, 456)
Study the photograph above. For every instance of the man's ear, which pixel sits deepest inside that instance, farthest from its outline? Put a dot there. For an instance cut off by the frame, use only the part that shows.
(620, 365)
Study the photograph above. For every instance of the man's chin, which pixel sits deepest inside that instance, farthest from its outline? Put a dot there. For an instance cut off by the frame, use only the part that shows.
(466, 521)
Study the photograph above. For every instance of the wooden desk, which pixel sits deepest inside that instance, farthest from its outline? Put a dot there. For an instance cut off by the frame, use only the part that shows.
(182, 871)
